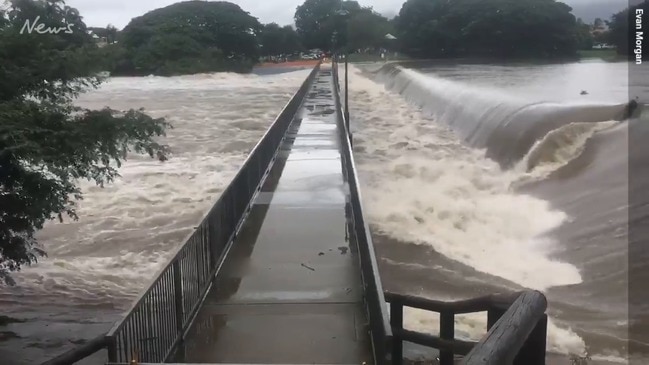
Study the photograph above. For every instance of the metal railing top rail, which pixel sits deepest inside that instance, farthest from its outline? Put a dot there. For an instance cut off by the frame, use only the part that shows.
(204, 217)
(347, 150)
(471, 305)
(510, 334)
(516, 328)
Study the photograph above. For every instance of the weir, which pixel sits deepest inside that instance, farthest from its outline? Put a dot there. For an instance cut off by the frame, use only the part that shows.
(282, 269)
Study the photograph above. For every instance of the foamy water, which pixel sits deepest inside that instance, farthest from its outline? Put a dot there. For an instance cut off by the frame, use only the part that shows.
(422, 185)
(427, 187)
(128, 229)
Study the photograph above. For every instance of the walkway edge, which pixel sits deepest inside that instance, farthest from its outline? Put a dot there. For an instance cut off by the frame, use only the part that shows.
(377, 308)
(158, 320)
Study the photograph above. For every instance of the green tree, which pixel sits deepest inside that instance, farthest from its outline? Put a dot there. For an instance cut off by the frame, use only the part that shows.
(322, 23)
(584, 37)
(277, 40)
(46, 143)
(190, 37)
(111, 33)
(623, 30)
(419, 27)
(367, 29)
(488, 28)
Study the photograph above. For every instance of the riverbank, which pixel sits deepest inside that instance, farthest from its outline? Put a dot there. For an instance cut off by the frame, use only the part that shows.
(270, 68)
(604, 54)
(296, 63)
(368, 57)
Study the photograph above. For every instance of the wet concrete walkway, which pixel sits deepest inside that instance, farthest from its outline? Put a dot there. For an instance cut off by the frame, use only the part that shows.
(290, 292)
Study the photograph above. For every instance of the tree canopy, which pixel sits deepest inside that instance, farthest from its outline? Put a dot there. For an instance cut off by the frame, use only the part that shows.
(189, 37)
(339, 25)
(367, 29)
(277, 40)
(584, 37)
(623, 29)
(493, 28)
(46, 142)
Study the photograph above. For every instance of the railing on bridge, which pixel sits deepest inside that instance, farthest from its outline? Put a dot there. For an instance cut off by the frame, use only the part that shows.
(159, 319)
(380, 330)
(516, 324)
(155, 325)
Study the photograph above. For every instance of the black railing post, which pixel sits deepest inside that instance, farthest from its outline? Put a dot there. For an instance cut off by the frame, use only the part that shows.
(396, 322)
(148, 314)
(111, 346)
(493, 315)
(446, 332)
(346, 90)
(178, 297)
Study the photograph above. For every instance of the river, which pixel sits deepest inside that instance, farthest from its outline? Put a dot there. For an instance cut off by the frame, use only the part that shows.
(127, 230)
(476, 179)
(493, 178)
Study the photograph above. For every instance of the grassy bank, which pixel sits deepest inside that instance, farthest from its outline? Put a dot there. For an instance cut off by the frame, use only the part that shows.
(367, 57)
(604, 54)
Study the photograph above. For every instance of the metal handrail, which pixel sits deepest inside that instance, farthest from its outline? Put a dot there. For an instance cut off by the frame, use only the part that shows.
(516, 325)
(518, 318)
(380, 328)
(517, 337)
(159, 318)
(471, 305)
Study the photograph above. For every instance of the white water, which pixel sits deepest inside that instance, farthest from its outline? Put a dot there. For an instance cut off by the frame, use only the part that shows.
(422, 185)
(419, 183)
(128, 229)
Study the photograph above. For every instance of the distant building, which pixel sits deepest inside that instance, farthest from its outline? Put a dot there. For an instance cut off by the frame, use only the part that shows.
(99, 41)
(603, 46)
(599, 29)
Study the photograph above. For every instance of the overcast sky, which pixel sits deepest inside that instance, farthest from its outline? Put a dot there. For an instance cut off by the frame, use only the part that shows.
(100, 13)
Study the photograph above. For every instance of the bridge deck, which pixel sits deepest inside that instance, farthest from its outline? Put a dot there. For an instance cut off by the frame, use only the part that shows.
(290, 291)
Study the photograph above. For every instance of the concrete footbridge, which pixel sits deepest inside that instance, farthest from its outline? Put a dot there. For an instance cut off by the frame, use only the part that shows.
(282, 269)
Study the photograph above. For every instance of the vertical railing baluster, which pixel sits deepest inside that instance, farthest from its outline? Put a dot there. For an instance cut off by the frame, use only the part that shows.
(140, 333)
(493, 315)
(147, 325)
(396, 322)
(132, 342)
(111, 346)
(178, 296)
(125, 342)
(169, 309)
(446, 332)
(346, 93)
(155, 317)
